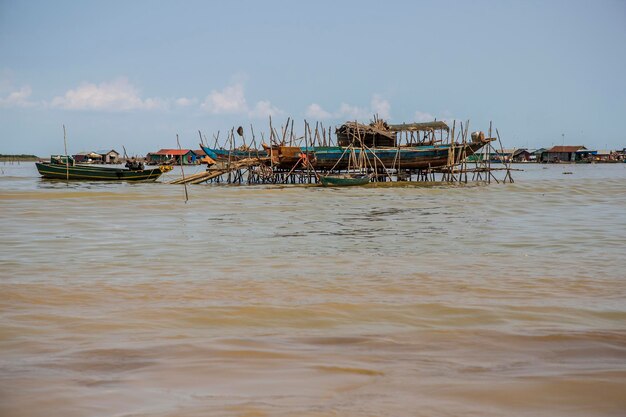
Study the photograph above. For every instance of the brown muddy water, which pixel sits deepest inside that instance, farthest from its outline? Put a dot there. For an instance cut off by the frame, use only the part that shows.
(503, 300)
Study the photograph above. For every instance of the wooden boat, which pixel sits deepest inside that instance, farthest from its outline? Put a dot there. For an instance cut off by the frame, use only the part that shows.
(344, 180)
(423, 155)
(286, 157)
(408, 157)
(219, 154)
(377, 144)
(61, 171)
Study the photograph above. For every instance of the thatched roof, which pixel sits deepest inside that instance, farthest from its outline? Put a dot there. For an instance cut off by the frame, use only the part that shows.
(378, 129)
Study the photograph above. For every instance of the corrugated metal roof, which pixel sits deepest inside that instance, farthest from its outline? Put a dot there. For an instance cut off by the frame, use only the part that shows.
(566, 149)
(173, 152)
(506, 151)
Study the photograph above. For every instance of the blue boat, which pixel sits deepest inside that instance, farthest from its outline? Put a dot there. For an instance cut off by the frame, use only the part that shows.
(404, 157)
(375, 145)
(336, 157)
(220, 154)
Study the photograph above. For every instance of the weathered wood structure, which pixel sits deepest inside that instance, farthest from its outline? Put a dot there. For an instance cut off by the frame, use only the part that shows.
(417, 152)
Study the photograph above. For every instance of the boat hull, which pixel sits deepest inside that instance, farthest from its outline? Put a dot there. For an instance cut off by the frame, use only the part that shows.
(336, 157)
(94, 173)
(233, 155)
(418, 157)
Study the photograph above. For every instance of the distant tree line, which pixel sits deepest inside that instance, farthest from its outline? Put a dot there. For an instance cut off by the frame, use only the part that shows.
(20, 157)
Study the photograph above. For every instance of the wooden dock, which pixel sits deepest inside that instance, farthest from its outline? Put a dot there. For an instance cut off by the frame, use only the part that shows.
(215, 172)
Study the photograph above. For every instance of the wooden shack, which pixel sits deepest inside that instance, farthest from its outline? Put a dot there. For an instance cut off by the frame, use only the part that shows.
(521, 155)
(88, 157)
(172, 156)
(567, 153)
(535, 154)
(110, 156)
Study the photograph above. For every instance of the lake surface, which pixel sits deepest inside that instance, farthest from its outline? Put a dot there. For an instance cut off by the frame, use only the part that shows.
(119, 299)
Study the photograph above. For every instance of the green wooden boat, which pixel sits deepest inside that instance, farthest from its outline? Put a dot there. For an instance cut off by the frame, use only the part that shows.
(344, 180)
(59, 171)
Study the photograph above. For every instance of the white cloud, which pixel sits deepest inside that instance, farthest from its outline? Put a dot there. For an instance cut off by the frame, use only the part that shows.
(378, 105)
(121, 95)
(118, 95)
(423, 117)
(230, 100)
(264, 109)
(18, 98)
(185, 102)
(353, 112)
(381, 107)
(315, 111)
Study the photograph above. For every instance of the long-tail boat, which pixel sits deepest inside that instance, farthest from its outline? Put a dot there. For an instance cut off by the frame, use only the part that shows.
(64, 168)
(378, 144)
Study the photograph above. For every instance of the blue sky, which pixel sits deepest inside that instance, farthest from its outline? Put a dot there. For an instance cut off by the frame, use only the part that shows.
(136, 73)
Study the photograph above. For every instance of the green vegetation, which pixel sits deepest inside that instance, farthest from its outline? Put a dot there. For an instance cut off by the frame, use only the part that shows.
(21, 157)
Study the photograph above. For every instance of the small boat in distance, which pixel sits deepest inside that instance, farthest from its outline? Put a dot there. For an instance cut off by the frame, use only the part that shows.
(65, 168)
(344, 180)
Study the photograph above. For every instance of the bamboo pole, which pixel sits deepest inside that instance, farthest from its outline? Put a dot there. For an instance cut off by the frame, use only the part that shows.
(285, 128)
(375, 168)
(488, 155)
(200, 134)
(254, 140)
(507, 166)
(231, 139)
(306, 152)
(379, 160)
(316, 141)
(181, 169)
(67, 157)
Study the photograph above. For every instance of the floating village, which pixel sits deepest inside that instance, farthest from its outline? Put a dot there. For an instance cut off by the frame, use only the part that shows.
(351, 154)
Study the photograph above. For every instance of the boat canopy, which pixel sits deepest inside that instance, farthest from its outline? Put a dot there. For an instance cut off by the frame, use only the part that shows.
(419, 127)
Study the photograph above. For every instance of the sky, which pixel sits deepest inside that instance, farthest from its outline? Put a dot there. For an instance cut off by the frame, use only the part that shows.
(135, 74)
